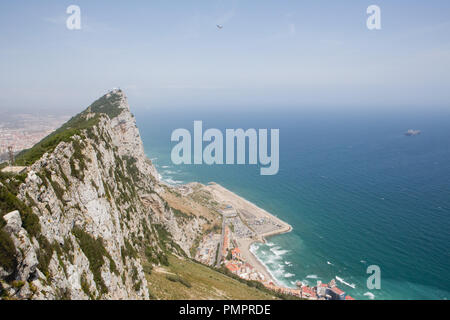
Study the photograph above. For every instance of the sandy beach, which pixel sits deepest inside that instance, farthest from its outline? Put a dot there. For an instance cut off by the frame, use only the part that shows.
(246, 209)
(244, 245)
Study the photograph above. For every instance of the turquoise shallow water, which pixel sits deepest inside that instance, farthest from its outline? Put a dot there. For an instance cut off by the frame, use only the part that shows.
(355, 189)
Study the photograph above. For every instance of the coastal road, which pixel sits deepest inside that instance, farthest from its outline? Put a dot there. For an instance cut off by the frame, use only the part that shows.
(219, 256)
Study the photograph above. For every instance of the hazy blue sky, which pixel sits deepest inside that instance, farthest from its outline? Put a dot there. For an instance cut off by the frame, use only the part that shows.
(170, 54)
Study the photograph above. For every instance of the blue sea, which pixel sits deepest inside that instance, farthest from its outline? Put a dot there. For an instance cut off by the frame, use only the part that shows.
(356, 190)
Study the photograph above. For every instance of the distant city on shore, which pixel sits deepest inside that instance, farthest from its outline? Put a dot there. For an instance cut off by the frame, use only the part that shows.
(22, 131)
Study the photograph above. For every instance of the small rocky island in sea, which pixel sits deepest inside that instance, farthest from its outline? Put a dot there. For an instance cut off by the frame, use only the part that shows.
(412, 132)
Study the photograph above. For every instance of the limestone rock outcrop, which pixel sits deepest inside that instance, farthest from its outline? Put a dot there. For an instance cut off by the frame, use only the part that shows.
(94, 232)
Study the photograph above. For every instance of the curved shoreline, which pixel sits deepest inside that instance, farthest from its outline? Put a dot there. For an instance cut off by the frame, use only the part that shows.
(259, 263)
(223, 195)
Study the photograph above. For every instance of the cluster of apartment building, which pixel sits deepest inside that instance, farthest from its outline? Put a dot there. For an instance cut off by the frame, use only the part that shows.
(322, 291)
(235, 262)
(19, 139)
(25, 130)
(244, 270)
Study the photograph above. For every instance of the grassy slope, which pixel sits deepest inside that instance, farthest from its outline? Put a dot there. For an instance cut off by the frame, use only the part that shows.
(205, 284)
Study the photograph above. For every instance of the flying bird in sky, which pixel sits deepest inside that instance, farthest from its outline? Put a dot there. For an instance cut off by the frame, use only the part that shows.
(219, 26)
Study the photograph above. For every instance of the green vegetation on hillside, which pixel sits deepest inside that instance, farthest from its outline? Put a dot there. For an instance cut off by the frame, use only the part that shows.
(45, 255)
(7, 249)
(95, 251)
(132, 170)
(167, 244)
(186, 279)
(175, 278)
(108, 106)
(74, 126)
(79, 157)
(64, 134)
(9, 202)
(30, 222)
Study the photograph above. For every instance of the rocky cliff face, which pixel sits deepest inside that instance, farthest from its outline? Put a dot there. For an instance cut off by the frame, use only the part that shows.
(88, 216)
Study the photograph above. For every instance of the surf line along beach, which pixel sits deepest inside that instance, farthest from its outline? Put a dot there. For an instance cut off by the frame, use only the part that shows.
(250, 224)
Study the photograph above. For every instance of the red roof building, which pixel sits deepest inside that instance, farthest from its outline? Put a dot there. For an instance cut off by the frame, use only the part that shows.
(236, 253)
(232, 267)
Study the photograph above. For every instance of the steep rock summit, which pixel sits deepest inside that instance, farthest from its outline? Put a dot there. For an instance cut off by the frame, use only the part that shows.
(87, 217)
